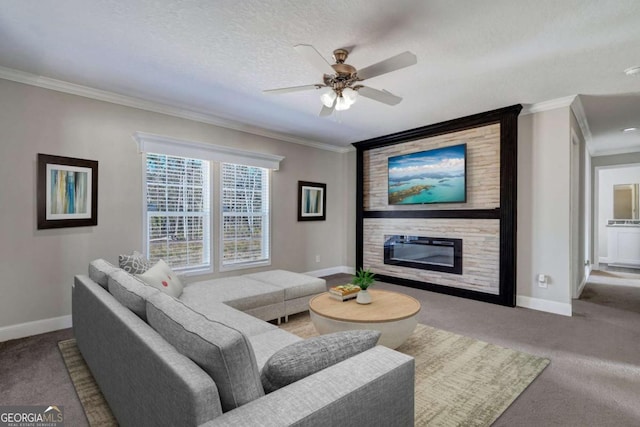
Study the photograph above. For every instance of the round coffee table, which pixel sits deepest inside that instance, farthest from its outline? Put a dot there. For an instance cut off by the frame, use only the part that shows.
(391, 313)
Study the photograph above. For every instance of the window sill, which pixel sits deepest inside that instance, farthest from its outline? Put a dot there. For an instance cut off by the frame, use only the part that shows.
(195, 272)
(244, 266)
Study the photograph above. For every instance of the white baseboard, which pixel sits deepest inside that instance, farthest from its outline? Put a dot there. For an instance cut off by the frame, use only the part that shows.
(584, 282)
(604, 260)
(543, 305)
(332, 270)
(34, 328)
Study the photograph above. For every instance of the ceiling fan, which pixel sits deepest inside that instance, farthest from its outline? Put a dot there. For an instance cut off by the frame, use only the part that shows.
(343, 80)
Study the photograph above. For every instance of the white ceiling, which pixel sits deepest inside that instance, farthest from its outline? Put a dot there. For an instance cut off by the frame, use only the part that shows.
(216, 57)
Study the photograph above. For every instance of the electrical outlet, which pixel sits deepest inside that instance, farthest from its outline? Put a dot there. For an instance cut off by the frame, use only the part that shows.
(542, 280)
(317, 258)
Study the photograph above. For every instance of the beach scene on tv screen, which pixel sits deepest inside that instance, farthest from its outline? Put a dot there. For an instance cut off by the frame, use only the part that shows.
(434, 176)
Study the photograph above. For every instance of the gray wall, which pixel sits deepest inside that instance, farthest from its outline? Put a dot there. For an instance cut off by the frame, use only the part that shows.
(37, 266)
(544, 208)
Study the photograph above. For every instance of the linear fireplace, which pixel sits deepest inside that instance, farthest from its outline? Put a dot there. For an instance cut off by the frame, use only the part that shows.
(426, 253)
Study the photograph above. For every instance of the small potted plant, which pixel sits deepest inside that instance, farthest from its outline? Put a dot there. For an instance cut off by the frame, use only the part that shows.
(364, 279)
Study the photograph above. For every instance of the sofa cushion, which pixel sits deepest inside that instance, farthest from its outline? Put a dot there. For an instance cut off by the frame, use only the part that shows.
(245, 323)
(161, 277)
(307, 357)
(295, 285)
(130, 292)
(238, 292)
(222, 351)
(268, 343)
(99, 271)
(134, 263)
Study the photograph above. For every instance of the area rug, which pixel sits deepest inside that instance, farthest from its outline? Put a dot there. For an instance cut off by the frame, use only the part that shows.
(95, 407)
(460, 381)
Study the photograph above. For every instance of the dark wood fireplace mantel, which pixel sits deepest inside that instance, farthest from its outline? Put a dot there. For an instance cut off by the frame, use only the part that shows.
(505, 213)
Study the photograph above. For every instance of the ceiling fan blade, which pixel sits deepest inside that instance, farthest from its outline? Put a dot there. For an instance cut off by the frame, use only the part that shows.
(402, 60)
(292, 89)
(379, 95)
(313, 56)
(326, 111)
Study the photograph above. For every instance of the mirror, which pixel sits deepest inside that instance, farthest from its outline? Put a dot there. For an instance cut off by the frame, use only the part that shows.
(625, 201)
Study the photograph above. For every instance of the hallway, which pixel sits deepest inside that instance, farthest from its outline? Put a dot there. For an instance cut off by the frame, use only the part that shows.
(614, 291)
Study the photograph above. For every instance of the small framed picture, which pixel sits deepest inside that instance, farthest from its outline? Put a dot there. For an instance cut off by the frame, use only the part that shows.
(312, 201)
(67, 192)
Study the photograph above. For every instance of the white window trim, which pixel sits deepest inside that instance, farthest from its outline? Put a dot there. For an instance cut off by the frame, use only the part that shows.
(248, 264)
(185, 271)
(150, 143)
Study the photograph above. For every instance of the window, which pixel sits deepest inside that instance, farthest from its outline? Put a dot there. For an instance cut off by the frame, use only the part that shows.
(245, 215)
(178, 203)
(178, 211)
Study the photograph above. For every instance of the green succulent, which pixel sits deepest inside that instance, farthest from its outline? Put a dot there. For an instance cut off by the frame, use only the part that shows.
(364, 279)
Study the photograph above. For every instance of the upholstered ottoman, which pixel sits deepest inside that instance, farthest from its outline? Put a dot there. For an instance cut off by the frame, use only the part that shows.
(298, 288)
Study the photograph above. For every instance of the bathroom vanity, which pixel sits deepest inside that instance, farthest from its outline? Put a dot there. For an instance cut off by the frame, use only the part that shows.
(624, 242)
(623, 232)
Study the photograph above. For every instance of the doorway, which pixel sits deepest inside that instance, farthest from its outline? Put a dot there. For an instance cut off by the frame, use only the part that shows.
(616, 237)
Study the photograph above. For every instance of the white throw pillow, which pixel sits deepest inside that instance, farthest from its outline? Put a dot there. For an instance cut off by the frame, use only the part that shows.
(161, 276)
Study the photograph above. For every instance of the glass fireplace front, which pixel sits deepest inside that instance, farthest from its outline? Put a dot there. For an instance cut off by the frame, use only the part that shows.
(427, 253)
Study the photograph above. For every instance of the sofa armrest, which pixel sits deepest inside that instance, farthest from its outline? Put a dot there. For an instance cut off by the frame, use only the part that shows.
(143, 378)
(373, 388)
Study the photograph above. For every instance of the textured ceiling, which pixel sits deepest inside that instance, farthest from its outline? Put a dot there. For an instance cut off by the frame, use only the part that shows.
(216, 57)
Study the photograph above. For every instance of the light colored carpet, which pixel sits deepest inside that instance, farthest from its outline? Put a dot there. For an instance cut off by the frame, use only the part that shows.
(614, 278)
(460, 381)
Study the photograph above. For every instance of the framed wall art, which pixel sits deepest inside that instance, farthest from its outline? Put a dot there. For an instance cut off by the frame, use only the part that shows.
(67, 192)
(312, 201)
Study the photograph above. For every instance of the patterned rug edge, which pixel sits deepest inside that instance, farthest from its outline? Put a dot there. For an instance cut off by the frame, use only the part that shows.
(93, 403)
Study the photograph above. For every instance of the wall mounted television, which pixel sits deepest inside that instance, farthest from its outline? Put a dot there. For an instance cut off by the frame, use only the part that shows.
(425, 177)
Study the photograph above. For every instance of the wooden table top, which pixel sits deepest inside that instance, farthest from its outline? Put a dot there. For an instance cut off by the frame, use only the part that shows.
(386, 306)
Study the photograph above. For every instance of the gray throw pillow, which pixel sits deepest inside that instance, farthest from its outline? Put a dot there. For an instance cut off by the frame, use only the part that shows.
(136, 263)
(301, 359)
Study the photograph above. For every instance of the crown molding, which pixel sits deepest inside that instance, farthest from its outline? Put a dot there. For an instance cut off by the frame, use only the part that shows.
(576, 106)
(157, 107)
(581, 117)
(616, 151)
(547, 105)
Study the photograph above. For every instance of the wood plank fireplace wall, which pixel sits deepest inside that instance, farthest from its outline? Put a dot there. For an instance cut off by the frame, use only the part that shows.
(485, 222)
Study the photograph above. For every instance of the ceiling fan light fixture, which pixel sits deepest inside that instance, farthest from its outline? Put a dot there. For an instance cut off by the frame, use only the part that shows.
(349, 95)
(328, 98)
(341, 81)
(342, 104)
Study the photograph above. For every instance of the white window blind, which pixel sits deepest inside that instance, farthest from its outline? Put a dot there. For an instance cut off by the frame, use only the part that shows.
(178, 211)
(245, 215)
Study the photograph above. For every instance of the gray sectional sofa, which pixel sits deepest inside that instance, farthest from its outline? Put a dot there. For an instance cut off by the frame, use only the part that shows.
(197, 360)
